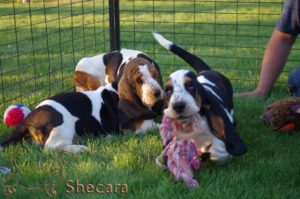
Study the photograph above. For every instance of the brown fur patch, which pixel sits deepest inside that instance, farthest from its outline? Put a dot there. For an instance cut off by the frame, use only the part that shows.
(111, 74)
(198, 98)
(86, 81)
(186, 80)
(168, 88)
(218, 125)
(138, 124)
(37, 135)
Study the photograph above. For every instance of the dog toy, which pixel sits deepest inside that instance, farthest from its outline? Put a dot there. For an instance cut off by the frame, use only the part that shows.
(179, 156)
(15, 114)
(283, 115)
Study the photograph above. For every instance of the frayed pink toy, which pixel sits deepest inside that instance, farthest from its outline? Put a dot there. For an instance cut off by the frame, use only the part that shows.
(181, 155)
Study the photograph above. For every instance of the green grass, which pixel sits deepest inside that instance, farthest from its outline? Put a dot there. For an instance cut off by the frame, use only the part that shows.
(231, 37)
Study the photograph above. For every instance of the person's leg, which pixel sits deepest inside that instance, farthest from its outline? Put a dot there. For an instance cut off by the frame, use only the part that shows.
(276, 54)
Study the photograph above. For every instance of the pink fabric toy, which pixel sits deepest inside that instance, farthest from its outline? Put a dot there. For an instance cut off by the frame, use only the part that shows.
(181, 155)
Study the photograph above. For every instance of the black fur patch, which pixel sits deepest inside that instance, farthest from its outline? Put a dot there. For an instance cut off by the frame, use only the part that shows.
(197, 86)
(89, 125)
(109, 111)
(115, 55)
(78, 104)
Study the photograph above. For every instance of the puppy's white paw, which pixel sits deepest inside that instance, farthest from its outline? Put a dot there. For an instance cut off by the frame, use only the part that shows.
(75, 148)
(147, 125)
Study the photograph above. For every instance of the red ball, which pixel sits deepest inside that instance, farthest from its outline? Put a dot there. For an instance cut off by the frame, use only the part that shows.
(14, 117)
(15, 114)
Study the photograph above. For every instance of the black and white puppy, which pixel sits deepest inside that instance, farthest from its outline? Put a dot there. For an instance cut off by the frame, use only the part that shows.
(55, 121)
(203, 104)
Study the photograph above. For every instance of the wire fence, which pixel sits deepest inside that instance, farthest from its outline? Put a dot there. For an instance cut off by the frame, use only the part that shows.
(41, 41)
(229, 35)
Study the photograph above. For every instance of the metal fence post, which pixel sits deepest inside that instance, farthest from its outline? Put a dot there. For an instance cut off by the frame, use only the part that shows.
(114, 25)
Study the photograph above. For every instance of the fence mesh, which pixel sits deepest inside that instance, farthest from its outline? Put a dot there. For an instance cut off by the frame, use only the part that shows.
(41, 41)
(229, 35)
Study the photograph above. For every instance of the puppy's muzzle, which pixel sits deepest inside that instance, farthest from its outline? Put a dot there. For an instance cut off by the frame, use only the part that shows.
(179, 107)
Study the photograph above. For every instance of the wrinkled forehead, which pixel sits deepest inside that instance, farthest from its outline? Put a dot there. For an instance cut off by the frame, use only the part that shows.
(136, 64)
(178, 78)
(148, 72)
(144, 69)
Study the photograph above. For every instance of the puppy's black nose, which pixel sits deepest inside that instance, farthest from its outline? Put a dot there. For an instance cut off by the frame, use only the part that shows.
(179, 106)
(157, 93)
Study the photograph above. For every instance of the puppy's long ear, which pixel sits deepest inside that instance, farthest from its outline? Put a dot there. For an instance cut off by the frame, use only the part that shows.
(112, 62)
(130, 107)
(159, 106)
(223, 126)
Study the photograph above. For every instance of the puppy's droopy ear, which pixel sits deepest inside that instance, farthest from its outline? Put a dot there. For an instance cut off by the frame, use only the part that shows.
(159, 106)
(130, 112)
(223, 126)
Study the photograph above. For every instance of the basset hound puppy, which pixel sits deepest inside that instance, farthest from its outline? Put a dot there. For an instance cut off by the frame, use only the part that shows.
(93, 72)
(138, 81)
(141, 97)
(203, 104)
(56, 121)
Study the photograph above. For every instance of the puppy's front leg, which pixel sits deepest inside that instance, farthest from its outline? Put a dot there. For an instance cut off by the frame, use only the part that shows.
(143, 126)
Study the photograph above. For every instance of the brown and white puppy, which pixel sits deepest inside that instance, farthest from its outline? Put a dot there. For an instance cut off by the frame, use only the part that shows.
(203, 105)
(137, 79)
(141, 97)
(92, 72)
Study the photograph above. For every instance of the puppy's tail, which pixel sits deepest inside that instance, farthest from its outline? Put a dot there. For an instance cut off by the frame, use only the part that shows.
(194, 61)
(17, 135)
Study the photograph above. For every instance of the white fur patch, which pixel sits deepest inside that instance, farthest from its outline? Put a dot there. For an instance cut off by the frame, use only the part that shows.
(147, 125)
(127, 55)
(93, 65)
(203, 80)
(162, 41)
(96, 99)
(229, 115)
(206, 141)
(62, 135)
(208, 83)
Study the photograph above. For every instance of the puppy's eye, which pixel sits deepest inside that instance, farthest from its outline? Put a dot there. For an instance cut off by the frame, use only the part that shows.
(154, 76)
(139, 81)
(190, 87)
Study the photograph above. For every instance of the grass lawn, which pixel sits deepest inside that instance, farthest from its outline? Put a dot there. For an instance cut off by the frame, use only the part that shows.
(230, 37)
